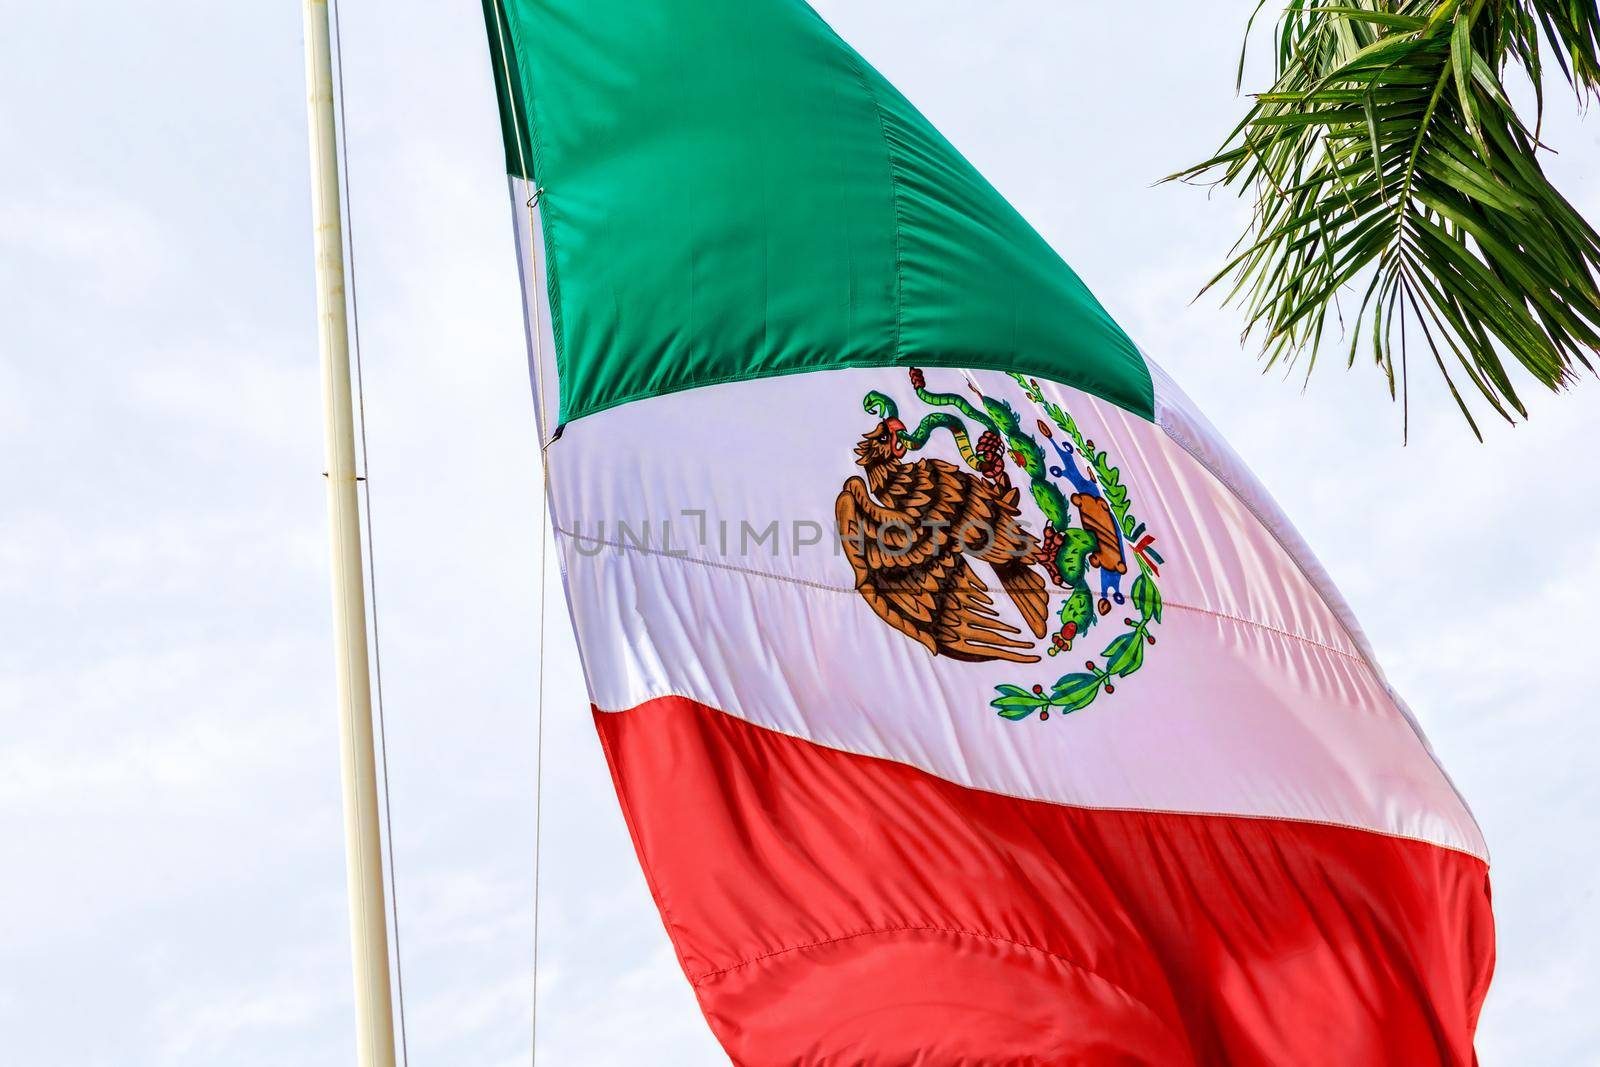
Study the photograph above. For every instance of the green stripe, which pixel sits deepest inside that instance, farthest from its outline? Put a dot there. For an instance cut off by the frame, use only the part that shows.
(731, 192)
(514, 130)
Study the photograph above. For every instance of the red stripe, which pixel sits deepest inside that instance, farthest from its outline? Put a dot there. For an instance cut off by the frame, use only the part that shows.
(843, 910)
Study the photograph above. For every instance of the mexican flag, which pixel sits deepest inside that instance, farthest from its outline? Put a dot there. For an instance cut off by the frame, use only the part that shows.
(968, 700)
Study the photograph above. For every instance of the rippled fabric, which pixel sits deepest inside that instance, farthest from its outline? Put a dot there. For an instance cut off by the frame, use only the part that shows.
(833, 909)
(730, 191)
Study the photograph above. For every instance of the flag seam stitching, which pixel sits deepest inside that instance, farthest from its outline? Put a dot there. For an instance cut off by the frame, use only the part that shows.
(894, 359)
(894, 199)
(876, 931)
(1074, 805)
(825, 587)
(1271, 529)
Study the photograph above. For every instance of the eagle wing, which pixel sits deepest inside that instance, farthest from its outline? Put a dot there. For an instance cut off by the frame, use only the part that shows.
(906, 550)
(1010, 550)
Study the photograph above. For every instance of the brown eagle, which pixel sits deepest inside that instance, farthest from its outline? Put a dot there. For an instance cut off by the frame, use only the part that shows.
(907, 529)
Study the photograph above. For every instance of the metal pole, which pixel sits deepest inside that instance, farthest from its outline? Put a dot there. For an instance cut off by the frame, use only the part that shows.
(363, 849)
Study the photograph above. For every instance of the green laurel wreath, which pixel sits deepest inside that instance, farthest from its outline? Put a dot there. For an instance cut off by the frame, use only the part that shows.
(1125, 653)
(1068, 560)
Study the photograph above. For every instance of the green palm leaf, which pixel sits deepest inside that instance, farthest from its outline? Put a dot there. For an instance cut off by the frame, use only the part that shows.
(1391, 170)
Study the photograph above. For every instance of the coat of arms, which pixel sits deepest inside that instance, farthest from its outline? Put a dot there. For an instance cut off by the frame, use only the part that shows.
(926, 537)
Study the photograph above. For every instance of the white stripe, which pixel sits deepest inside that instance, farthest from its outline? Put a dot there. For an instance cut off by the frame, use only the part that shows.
(1257, 699)
(1193, 432)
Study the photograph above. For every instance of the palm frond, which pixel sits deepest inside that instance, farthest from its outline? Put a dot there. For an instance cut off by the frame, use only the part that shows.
(1389, 168)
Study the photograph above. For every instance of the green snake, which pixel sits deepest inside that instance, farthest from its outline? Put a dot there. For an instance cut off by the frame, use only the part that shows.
(884, 407)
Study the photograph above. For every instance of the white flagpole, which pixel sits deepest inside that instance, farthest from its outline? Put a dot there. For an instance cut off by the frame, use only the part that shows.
(363, 848)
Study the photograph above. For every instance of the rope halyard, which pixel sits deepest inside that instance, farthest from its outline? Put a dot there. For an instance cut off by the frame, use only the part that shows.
(544, 499)
(342, 146)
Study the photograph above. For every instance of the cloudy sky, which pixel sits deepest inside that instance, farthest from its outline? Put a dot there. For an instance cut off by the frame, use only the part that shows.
(171, 860)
